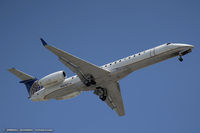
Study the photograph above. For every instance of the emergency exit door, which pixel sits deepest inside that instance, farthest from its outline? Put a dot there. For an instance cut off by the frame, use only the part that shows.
(152, 53)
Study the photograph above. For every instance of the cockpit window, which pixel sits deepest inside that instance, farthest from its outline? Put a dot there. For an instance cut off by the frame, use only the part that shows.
(168, 43)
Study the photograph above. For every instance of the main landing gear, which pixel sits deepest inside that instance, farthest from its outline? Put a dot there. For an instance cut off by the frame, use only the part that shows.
(90, 80)
(183, 53)
(180, 58)
(101, 92)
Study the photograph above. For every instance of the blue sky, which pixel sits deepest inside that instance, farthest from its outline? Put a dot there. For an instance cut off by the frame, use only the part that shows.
(160, 98)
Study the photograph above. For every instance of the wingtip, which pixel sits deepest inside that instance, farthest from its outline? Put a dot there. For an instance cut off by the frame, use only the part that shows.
(43, 42)
(10, 69)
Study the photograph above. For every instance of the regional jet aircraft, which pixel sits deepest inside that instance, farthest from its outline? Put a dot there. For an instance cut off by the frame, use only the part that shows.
(103, 80)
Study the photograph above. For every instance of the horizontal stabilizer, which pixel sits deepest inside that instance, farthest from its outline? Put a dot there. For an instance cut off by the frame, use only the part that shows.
(20, 74)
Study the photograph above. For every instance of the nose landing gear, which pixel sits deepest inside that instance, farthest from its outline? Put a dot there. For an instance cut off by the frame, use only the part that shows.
(180, 58)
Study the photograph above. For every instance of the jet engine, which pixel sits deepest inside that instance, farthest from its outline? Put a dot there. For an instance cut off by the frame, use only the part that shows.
(52, 79)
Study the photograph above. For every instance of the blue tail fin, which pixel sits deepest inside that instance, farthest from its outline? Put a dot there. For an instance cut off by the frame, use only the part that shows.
(28, 83)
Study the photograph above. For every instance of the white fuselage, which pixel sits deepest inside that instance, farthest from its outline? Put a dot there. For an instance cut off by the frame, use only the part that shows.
(72, 86)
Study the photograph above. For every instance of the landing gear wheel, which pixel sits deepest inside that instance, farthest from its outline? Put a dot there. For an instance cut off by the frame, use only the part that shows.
(101, 92)
(89, 81)
(103, 98)
(93, 82)
(180, 58)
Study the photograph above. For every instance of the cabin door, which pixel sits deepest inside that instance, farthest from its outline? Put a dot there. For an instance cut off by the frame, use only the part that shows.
(152, 53)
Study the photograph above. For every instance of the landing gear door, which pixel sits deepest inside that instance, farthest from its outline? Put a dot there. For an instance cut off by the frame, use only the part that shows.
(152, 52)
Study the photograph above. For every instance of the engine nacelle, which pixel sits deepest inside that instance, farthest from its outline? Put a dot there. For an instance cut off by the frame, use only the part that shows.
(52, 79)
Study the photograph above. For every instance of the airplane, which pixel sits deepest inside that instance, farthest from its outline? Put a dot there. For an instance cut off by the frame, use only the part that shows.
(102, 80)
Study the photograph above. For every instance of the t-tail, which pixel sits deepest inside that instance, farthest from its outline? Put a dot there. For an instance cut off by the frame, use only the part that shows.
(30, 82)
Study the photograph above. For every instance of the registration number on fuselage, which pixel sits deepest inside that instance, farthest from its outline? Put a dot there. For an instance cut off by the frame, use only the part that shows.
(65, 85)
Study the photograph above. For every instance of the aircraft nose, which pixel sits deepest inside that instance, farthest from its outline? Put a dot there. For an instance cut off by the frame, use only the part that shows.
(185, 45)
(188, 45)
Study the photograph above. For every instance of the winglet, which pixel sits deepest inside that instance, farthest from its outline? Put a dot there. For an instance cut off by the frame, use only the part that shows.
(10, 69)
(43, 42)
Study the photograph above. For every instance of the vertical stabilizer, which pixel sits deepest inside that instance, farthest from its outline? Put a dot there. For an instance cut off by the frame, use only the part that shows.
(28, 80)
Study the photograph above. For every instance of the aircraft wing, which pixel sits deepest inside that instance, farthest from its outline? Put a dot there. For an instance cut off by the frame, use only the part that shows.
(114, 98)
(82, 68)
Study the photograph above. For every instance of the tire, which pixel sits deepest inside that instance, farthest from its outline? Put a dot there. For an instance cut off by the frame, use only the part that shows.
(103, 98)
(93, 82)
